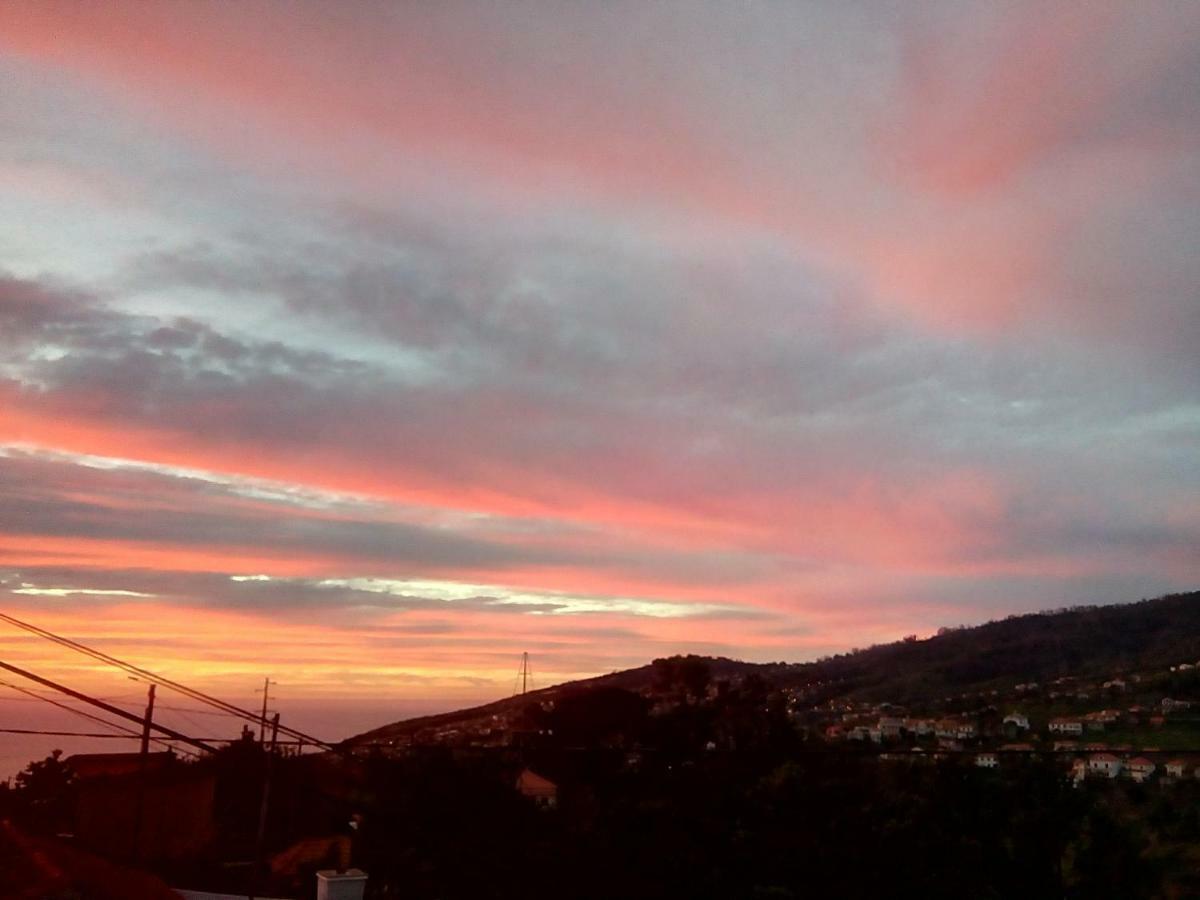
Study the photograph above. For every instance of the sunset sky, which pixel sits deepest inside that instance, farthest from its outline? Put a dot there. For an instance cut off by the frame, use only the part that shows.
(368, 346)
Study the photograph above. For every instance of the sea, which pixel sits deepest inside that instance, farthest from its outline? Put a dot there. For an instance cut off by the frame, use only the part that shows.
(329, 719)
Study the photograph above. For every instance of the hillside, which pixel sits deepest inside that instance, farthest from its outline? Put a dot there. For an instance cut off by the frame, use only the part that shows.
(1082, 641)
(641, 680)
(1038, 647)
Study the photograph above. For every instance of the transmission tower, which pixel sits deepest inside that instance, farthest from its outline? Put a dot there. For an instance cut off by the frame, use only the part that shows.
(523, 675)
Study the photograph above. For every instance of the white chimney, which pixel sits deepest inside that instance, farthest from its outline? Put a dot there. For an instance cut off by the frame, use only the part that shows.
(335, 885)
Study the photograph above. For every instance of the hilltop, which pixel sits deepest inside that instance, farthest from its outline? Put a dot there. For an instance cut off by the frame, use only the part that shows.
(1080, 642)
(640, 680)
(1084, 642)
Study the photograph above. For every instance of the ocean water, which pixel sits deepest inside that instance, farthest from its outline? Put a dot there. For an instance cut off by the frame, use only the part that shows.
(328, 719)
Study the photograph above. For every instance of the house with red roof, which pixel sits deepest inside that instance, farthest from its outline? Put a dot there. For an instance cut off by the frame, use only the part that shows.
(1140, 768)
(542, 791)
(38, 868)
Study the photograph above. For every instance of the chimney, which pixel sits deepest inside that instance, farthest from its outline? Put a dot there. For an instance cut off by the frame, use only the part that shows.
(347, 884)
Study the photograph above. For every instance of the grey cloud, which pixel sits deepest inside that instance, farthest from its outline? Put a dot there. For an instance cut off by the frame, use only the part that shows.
(885, 402)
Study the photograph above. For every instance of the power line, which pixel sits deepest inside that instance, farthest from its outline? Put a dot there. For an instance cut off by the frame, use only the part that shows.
(157, 679)
(107, 707)
(197, 712)
(116, 726)
(79, 734)
(38, 695)
(72, 709)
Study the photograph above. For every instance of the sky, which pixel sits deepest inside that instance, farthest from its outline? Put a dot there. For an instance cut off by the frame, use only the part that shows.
(368, 346)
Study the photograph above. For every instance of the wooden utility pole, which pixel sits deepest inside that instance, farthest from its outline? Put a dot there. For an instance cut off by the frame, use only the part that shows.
(262, 722)
(147, 724)
(264, 807)
(143, 766)
(108, 707)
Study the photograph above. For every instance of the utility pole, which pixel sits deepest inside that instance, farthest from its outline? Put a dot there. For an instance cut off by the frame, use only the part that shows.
(147, 723)
(264, 807)
(108, 707)
(143, 765)
(266, 692)
(524, 672)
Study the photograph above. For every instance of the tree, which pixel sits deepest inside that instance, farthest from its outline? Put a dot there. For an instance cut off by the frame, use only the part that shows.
(598, 715)
(44, 792)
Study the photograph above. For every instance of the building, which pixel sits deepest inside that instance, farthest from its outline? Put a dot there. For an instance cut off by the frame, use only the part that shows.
(1140, 768)
(1104, 764)
(1066, 726)
(986, 760)
(1018, 720)
(542, 791)
(1134, 715)
(956, 730)
(1177, 768)
(130, 806)
(891, 728)
(33, 866)
(109, 765)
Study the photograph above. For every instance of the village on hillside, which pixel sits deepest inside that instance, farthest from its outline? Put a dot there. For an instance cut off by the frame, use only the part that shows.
(1144, 726)
(584, 757)
(1124, 726)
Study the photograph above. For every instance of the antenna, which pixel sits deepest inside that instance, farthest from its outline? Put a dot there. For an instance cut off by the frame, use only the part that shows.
(523, 675)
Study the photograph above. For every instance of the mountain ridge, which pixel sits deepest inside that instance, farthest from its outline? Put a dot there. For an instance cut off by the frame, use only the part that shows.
(1077, 641)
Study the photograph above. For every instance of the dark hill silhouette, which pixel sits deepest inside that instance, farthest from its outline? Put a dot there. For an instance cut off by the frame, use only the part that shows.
(1087, 641)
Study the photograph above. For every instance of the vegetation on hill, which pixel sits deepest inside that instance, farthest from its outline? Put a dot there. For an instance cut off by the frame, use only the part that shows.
(1084, 642)
(699, 777)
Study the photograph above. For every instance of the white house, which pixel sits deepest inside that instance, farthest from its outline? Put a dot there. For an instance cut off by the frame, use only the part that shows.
(1177, 768)
(986, 760)
(966, 731)
(946, 728)
(1066, 726)
(1104, 764)
(1140, 768)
